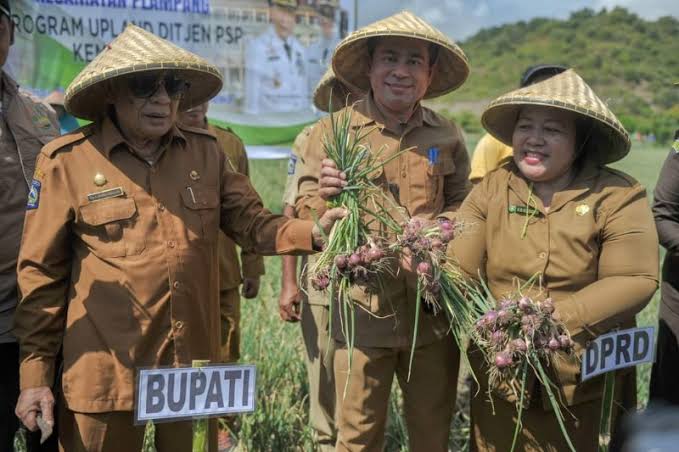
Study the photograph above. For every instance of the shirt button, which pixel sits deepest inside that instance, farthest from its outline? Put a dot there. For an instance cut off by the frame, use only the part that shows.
(170, 243)
(176, 284)
(403, 174)
(542, 255)
(179, 325)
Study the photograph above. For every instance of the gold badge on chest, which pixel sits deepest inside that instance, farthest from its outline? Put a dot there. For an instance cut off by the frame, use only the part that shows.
(582, 210)
(99, 180)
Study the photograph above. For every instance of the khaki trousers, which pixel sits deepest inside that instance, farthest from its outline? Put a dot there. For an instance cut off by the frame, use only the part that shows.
(115, 432)
(229, 306)
(428, 397)
(320, 353)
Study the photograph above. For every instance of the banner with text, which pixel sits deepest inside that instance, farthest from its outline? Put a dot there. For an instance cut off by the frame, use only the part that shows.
(271, 58)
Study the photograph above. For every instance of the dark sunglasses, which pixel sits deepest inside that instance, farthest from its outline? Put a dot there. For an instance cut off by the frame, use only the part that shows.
(146, 85)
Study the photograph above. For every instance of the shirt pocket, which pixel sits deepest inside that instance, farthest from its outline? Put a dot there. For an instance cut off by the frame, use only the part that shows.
(201, 212)
(436, 176)
(110, 228)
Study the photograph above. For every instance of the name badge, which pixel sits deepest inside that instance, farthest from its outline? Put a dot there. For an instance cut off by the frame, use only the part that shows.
(618, 350)
(524, 210)
(106, 194)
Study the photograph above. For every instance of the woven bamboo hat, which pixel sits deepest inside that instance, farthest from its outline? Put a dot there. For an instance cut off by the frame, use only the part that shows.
(567, 91)
(331, 85)
(136, 50)
(351, 59)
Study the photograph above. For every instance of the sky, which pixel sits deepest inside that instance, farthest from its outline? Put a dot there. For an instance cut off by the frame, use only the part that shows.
(462, 18)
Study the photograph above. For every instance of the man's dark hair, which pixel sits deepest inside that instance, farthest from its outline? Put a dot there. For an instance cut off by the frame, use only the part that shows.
(433, 50)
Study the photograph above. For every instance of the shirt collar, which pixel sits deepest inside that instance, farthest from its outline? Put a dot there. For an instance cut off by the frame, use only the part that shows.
(111, 137)
(368, 113)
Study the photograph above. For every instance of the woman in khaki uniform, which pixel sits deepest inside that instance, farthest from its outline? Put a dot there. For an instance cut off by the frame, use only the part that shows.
(557, 211)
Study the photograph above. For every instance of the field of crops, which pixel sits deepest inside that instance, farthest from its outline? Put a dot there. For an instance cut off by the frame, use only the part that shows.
(280, 420)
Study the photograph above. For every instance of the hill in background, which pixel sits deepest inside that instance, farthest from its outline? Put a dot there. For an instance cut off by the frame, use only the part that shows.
(631, 63)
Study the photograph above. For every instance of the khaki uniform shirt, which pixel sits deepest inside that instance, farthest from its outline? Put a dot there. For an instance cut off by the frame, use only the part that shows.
(488, 155)
(430, 180)
(26, 124)
(251, 264)
(125, 273)
(596, 249)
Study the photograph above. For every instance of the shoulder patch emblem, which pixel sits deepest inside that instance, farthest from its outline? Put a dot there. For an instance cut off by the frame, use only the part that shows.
(675, 145)
(292, 163)
(34, 195)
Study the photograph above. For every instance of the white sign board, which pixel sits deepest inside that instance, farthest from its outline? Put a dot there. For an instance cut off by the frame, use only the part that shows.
(181, 393)
(618, 350)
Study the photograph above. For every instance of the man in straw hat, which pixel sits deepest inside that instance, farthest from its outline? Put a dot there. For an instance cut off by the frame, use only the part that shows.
(26, 124)
(556, 210)
(232, 273)
(119, 261)
(399, 61)
(314, 312)
(276, 65)
(491, 153)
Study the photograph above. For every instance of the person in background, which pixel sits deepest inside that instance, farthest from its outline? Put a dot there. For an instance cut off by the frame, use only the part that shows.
(26, 125)
(314, 311)
(398, 61)
(276, 72)
(490, 152)
(231, 272)
(320, 53)
(663, 386)
(67, 122)
(556, 210)
(119, 260)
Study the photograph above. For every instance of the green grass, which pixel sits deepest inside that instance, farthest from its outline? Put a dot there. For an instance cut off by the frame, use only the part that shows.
(280, 420)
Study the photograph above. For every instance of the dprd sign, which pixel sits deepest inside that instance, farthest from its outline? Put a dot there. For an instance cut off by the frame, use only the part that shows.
(181, 393)
(618, 350)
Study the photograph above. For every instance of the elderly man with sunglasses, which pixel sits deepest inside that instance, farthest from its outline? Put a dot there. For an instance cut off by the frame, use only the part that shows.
(118, 262)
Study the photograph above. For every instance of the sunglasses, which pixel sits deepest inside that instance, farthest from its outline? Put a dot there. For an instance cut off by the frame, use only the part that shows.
(146, 85)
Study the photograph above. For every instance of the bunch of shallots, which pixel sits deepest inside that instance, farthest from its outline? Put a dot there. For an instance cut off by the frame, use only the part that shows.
(519, 336)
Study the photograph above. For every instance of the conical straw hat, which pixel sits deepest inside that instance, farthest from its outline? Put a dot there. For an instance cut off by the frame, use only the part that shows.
(136, 50)
(331, 85)
(351, 58)
(567, 91)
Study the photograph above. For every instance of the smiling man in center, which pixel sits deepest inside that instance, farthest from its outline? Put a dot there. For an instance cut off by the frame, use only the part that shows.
(398, 61)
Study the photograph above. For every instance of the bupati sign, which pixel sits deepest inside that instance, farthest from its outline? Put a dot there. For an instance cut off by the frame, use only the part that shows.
(618, 350)
(182, 393)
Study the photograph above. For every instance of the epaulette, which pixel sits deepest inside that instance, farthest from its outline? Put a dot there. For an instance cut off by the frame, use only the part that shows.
(64, 140)
(196, 130)
(621, 174)
(224, 128)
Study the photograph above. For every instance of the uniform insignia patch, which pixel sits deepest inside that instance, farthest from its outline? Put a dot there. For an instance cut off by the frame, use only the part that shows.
(106, 194)
(582, 210)
(675, 146)
(38, 174)
(34, 195)
(524, 210)
(292, 163)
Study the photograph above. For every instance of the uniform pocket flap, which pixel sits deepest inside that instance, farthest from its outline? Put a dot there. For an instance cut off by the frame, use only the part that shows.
(443, 167)
(198, 197)
(102, 212)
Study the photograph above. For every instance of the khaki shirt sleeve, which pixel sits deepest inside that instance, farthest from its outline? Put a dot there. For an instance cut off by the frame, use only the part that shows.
(469, 245)
(44, 268)
(628, 270)
(252, 264)
(244, 219)
(308, 202)
(457, 185)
